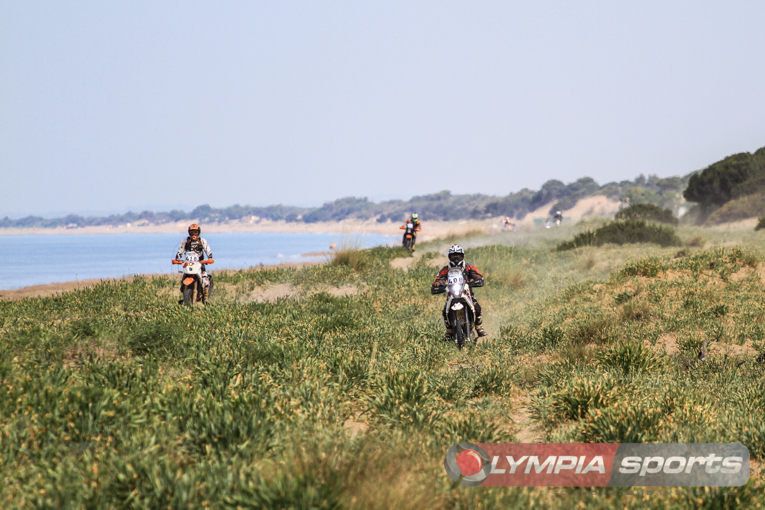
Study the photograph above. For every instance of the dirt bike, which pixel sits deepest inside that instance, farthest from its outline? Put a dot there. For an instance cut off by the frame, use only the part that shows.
(460, 311)
(410, 236)
(194, 285)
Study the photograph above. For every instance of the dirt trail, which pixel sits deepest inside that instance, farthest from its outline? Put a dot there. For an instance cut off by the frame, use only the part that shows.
(407, 263)
(527, 430)
(272, 293)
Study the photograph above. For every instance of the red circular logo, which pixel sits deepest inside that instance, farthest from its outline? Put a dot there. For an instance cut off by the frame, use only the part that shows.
(469, 462)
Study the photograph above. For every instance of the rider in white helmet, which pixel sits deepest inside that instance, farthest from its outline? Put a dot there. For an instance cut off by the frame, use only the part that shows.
(195, 242)
(472, 276)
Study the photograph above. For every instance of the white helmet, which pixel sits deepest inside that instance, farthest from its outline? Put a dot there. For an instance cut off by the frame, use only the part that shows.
(456, 256)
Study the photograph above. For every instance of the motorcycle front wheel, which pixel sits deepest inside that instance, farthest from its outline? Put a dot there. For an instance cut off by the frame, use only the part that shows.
(459, 333)
(188, 295)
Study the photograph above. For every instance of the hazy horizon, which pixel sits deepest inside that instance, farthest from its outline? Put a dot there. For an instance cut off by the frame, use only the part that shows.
(111, 107)
(96, 213)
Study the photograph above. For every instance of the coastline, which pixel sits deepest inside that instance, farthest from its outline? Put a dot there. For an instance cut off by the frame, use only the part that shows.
(598, 205)
(449, 231)
(431, 230)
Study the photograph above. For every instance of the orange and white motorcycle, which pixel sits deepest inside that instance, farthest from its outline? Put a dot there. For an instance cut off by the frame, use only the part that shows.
(195, 286)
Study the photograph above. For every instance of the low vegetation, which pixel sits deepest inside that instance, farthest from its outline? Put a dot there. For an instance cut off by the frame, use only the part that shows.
(748, 206)
(648, 212)
(115, 396)
(624, 232)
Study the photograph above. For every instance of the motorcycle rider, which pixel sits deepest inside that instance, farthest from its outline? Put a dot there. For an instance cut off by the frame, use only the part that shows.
(194, 242)
(558, 217)
(472, 276)
(415, 220)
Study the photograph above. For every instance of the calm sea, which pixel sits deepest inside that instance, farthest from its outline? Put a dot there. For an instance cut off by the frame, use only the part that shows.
(48, 258)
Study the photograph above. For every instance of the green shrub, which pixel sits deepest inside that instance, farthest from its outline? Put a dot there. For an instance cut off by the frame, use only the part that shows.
(625, 422)
(592, 329)
(629, 358)
(577, 397)
(648, 212)
(760, 224)
(648, 267)
(404, 400)
(491, 381)
(623, 232)
(82, 329)
(355, 259)
(153, 338)
(551, 336)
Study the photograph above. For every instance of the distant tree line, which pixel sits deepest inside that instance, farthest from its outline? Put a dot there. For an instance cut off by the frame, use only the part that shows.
(663, 192)
(203, 213)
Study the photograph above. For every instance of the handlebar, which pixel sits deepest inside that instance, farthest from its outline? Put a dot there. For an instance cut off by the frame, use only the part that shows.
(208, 261)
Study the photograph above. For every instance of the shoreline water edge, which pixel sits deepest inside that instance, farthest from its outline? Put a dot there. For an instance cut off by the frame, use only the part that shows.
(350, 232)
(434, 229)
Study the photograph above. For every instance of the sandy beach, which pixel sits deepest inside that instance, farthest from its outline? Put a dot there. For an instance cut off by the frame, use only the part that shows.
(431, 230)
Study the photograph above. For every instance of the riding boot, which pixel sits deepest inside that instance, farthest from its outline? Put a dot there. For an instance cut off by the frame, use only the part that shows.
(479, 327)
(449, 334)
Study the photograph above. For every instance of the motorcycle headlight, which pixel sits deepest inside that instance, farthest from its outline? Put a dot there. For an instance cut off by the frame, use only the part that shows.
(456, 289)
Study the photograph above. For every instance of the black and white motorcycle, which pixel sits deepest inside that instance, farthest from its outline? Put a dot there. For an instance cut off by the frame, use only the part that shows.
(460, 311)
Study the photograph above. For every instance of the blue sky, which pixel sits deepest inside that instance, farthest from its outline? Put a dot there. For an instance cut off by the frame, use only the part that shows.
(110, 106)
